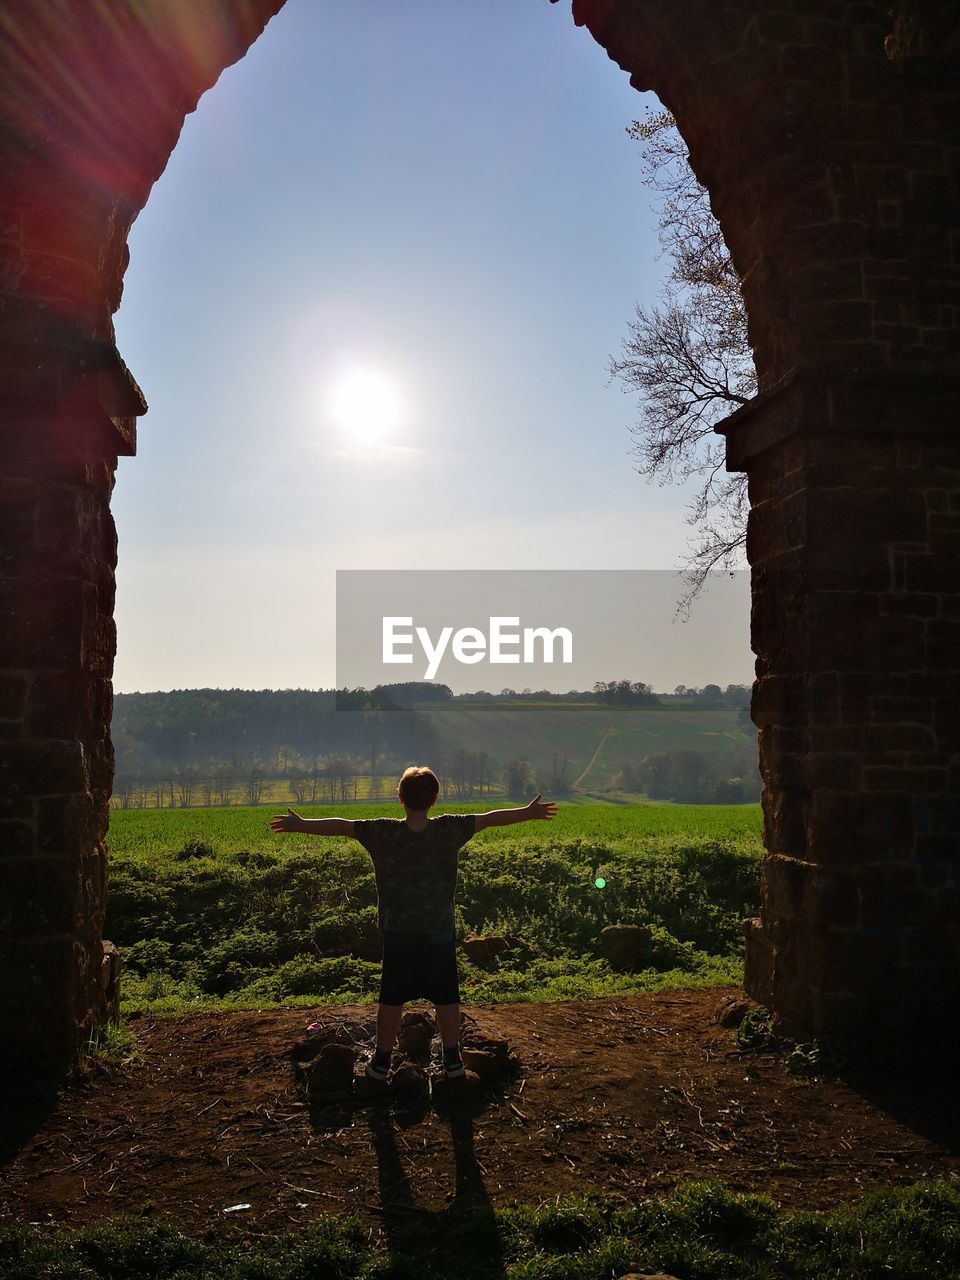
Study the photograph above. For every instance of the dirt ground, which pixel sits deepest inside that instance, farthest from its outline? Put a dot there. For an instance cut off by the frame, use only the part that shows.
(624, 1096)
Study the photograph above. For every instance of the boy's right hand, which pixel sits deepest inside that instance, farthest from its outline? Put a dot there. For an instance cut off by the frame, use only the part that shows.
(288, 821)
(540, 809)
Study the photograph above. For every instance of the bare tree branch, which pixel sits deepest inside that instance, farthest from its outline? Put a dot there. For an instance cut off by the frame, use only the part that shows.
(688, 360)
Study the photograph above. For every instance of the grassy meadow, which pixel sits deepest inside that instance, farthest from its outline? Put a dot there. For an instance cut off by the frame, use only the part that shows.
(700, 1230)
(596, 740)
(212, 909)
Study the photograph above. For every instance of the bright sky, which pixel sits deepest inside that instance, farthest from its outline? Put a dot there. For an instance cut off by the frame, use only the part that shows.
(371, 303)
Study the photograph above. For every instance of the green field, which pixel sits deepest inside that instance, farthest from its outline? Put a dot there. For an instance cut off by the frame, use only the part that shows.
(210, 908)
(153, 833)
(534, 731)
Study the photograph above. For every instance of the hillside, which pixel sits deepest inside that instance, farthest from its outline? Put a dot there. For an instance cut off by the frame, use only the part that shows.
(595, 740)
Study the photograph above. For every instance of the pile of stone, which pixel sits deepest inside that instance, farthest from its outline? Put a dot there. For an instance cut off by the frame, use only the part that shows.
(330, 1063)
(325, 1061)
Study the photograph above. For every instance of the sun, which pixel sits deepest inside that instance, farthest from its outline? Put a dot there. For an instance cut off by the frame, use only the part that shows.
(366, 403)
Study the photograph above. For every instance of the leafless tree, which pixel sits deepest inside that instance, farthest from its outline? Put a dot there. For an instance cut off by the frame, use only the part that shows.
(184, 782)
(123, 789)
(688, 359)
(299, 783)
(253, 786)
(224, 781)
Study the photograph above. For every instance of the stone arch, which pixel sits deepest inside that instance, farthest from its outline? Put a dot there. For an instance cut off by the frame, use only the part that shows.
(826, 132)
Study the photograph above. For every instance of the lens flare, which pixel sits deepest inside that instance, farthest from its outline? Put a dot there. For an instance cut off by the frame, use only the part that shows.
(600, 882)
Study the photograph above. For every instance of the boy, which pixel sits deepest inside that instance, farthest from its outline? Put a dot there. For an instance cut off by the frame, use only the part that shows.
(415, 862)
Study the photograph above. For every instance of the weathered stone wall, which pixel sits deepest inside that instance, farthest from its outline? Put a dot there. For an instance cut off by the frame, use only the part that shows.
(827, 133)
(91, 104)
(853, 536)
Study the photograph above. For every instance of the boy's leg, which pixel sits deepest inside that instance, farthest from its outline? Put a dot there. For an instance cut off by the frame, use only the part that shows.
(388, 1024)
(448, 1022)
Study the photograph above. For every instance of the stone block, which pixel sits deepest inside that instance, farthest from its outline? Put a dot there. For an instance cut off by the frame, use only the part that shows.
(842, 770)
(41, 623)
(68, 704)
(849, 633)
(758, 962)
(41, 897)
(777, 699)
(867, 517)
(903, 711)
(910, 605)
(946, 723)
(13, 695)
(943, 655)
(784, 821)
(878, 739)
(847, 828)
(924, 574)
(919, 782)
(17, 520)
(823, 698)
(37, 976)
(110, 980)
(42, 768)
(17, 839)
(66, 823)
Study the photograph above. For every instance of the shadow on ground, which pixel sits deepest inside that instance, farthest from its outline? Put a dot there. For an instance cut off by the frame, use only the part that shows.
(420, 1238)
(921, 1095)
(25, 1107)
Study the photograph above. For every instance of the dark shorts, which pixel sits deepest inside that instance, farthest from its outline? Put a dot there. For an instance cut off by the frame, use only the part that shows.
(419, 965)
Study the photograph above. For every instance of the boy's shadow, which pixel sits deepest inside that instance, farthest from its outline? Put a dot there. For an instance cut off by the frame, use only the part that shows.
(27, 1106)
(466, 1230)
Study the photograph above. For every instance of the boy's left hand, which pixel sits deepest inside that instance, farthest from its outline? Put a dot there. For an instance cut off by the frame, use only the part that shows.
(288, 821)
(541, 809)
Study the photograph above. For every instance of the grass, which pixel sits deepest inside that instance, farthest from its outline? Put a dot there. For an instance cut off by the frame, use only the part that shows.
(535, 731)
(112, 1043)
(210, 909)
(701, 1231)
(155, 832)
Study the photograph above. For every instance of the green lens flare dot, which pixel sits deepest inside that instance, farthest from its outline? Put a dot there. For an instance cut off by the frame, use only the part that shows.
(600, 882)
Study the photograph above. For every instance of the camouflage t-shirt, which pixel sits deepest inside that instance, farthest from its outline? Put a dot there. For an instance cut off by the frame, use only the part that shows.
(416, 870)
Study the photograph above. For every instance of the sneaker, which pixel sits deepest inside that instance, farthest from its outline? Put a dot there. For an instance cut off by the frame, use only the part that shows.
(378, 1068)
(453, 1066)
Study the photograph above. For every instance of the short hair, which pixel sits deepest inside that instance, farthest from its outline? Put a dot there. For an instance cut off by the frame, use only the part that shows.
(419, 787)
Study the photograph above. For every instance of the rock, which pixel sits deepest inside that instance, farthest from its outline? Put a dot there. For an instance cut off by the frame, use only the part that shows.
(626, 946)
(490, 1052)
(367, 1088)
(408, 1078)
(110, 979)
(461, 1087)
(485, 950)
(731, 1011)
(487, 1056)
(483, 1063)
(648, 1275)
(331, 1071)
(416, 1035)
(346, 1033)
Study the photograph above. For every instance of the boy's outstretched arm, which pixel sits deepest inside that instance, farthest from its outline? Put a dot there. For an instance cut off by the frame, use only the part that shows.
(291, 821)
(525, 813)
